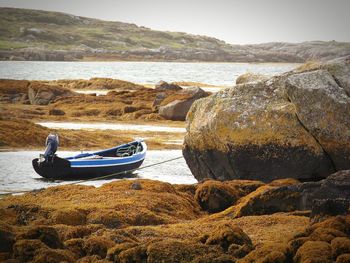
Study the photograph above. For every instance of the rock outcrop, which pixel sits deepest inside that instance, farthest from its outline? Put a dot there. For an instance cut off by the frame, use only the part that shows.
(43, 94)
(31, 92)
(14, 91)
(296, 125)
(176, 106)
(302, 196)
(164, 86)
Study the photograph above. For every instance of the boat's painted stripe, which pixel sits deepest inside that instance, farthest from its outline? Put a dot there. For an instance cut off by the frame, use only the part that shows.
(104, 165)
(108, 162)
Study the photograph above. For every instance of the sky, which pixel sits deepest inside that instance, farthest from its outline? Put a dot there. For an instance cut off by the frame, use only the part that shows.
(234, 21)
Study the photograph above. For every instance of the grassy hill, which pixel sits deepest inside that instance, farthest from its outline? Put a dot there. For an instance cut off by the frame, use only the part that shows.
(41, 35)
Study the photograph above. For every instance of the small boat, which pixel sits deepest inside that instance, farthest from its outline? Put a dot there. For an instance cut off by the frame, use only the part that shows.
(119, 159)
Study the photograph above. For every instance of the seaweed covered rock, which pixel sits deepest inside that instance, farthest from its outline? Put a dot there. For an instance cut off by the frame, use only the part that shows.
(43, 94)
(53, 256)
(14, 91)
(295, 125)
(297, 196)
(68, 217)
(215, 196)
(48, 235)
(326, 241)
(176, 251)
(267, 253)
(314, 251)
(96, 245)
(25, 249)
(226, 235)
(176, 106)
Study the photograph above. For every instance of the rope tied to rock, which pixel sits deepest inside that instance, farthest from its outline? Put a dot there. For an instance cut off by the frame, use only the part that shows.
(95, 178)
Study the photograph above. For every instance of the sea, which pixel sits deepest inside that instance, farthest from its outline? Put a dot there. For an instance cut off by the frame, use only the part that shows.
(16, 173)
(219, 74)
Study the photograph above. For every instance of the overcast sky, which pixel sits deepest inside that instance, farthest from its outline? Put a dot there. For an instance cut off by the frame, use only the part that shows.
(235, 21)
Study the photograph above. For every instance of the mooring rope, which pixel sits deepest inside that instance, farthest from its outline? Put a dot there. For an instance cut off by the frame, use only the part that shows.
(7, 192)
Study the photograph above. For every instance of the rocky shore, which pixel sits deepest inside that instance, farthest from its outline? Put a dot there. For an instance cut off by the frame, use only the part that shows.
(150, 221)
(23, 103)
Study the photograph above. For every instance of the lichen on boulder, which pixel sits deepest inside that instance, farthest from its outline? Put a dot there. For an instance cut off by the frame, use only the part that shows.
(295, 125)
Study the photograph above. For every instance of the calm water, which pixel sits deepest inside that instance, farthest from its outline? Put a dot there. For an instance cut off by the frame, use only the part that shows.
(109, 126)
(223, 74)
(17, 174)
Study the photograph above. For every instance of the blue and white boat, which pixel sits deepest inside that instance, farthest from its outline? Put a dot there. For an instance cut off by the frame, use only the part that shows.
(122, 158)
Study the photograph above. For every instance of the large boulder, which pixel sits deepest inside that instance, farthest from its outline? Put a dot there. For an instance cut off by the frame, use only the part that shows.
(176, 106)
(42, 94)
(296, 125)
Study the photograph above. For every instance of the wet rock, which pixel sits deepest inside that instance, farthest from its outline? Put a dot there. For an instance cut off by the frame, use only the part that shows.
(164, 86)
(250, 77)
(43, 94)
(215, 196)
(56, 112)
(323, 208)
(7, 239)
(176, 106)
(297, 196)
(265, 130)
(136, 186)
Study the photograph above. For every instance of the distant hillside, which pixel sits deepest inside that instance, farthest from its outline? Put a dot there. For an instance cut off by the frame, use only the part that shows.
(41, 35)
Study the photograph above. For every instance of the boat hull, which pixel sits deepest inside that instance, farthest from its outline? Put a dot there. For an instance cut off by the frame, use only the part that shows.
(61, 169)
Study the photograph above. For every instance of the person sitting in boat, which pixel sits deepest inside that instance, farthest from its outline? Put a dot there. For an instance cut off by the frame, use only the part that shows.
(51, 144)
